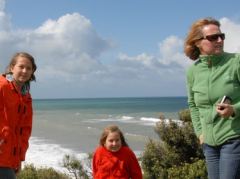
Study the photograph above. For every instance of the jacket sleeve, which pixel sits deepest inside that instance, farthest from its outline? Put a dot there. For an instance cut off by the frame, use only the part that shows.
(236, 106)
(1, 104)
(26, 129)
(2, 115)
(191, 103)
(135, 169)
(94, 163)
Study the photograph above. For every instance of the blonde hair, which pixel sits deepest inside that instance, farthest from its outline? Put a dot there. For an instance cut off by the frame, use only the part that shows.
(109, 129)
(195, 34)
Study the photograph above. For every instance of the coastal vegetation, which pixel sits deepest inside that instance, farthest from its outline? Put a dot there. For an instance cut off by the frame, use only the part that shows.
(31, 172)
(177, 154)
(70, 163)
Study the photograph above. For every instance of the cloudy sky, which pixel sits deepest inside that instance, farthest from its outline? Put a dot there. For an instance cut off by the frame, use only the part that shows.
(109, 48)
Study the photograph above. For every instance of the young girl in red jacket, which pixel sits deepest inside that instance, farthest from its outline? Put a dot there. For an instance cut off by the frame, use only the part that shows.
(113, 159)
(15, 113)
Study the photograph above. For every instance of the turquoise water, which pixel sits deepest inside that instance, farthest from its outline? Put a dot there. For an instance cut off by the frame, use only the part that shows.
(77, 123)
(114, 105)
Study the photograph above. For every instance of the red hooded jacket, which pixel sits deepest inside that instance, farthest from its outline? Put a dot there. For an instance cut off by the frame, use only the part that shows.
(122, 164)
(15, 124)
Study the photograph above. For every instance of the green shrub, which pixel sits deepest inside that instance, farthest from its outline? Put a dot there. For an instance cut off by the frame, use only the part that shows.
(74, 166)
(31, 172)
(153, 160)
(180, 141)
(196, 170)
(71, 163)
(184, 115)
(177, 150)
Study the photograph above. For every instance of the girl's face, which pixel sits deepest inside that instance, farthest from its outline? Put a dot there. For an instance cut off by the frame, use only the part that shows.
(22, 70)
(113, 142)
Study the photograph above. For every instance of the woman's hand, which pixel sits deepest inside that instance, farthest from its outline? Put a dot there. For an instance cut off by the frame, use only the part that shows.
(225, 110)
(201, 139)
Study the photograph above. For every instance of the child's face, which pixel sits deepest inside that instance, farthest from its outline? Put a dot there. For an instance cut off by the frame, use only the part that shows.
(113, 142)
(22, 70)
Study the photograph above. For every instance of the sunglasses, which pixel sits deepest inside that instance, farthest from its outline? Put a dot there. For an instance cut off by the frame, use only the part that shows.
(214, 37)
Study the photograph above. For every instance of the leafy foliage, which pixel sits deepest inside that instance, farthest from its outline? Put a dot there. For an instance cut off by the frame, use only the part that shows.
(184, 115)
(196, 170)
(31, 172)
(176, 153)
(153, 160)
(74, 166)
(71, 163)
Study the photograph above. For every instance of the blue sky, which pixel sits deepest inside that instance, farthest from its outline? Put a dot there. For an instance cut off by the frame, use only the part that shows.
(109, 48)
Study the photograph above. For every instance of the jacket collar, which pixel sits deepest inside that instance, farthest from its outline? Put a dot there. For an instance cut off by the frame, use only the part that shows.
(211, 60)
(24, 89)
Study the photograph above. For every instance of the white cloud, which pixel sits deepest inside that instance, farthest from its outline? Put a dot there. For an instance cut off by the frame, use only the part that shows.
(171, 52)
(71, 32)
(2, 5)
(6, 39)
(4, 18)
(232, 31)
(170, 62)
(67, 47)
(143, 59)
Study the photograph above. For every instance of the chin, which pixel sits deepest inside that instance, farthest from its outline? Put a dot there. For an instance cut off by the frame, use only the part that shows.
(219, 52)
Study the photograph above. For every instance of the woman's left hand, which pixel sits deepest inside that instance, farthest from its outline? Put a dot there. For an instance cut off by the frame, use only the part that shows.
(225, 110)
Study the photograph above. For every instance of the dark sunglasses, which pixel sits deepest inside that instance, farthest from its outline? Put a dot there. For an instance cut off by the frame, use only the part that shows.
(214, 37)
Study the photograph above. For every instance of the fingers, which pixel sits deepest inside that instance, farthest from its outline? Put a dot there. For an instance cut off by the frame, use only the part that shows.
(225, 110)
(201, 139)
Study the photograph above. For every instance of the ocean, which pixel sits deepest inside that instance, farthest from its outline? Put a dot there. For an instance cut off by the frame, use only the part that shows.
(74, 126)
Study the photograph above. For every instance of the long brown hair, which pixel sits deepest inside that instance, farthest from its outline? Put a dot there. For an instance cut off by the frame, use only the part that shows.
(195, 34)
(109, 129)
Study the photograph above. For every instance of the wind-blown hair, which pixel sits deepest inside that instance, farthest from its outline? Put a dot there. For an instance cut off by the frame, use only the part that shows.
(195, 34)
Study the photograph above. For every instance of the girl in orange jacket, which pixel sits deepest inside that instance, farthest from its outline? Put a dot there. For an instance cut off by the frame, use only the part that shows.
(114, 159)
(15, 113)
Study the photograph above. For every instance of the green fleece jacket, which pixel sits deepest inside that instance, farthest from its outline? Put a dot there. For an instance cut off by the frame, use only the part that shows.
(208, 80)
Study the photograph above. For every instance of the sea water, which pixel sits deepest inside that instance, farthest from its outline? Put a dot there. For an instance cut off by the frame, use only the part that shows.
(74, 126)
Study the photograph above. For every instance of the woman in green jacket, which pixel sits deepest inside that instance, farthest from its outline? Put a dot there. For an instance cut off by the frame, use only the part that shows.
(214, 75)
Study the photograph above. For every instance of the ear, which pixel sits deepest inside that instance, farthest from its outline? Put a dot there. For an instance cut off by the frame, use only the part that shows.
(10, 68)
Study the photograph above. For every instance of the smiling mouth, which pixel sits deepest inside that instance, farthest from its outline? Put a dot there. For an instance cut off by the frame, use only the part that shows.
(114, 148)
(218, 47)
(23, 77)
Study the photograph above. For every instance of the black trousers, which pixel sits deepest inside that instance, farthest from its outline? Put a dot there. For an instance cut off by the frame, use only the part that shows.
(7, 173)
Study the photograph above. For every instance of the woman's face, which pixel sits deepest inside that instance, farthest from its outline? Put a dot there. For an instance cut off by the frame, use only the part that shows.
(22, 70)
(113, 142)
(208, 46)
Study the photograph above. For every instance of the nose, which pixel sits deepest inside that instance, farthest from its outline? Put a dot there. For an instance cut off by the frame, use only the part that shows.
(24, 70)
(219, 39)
